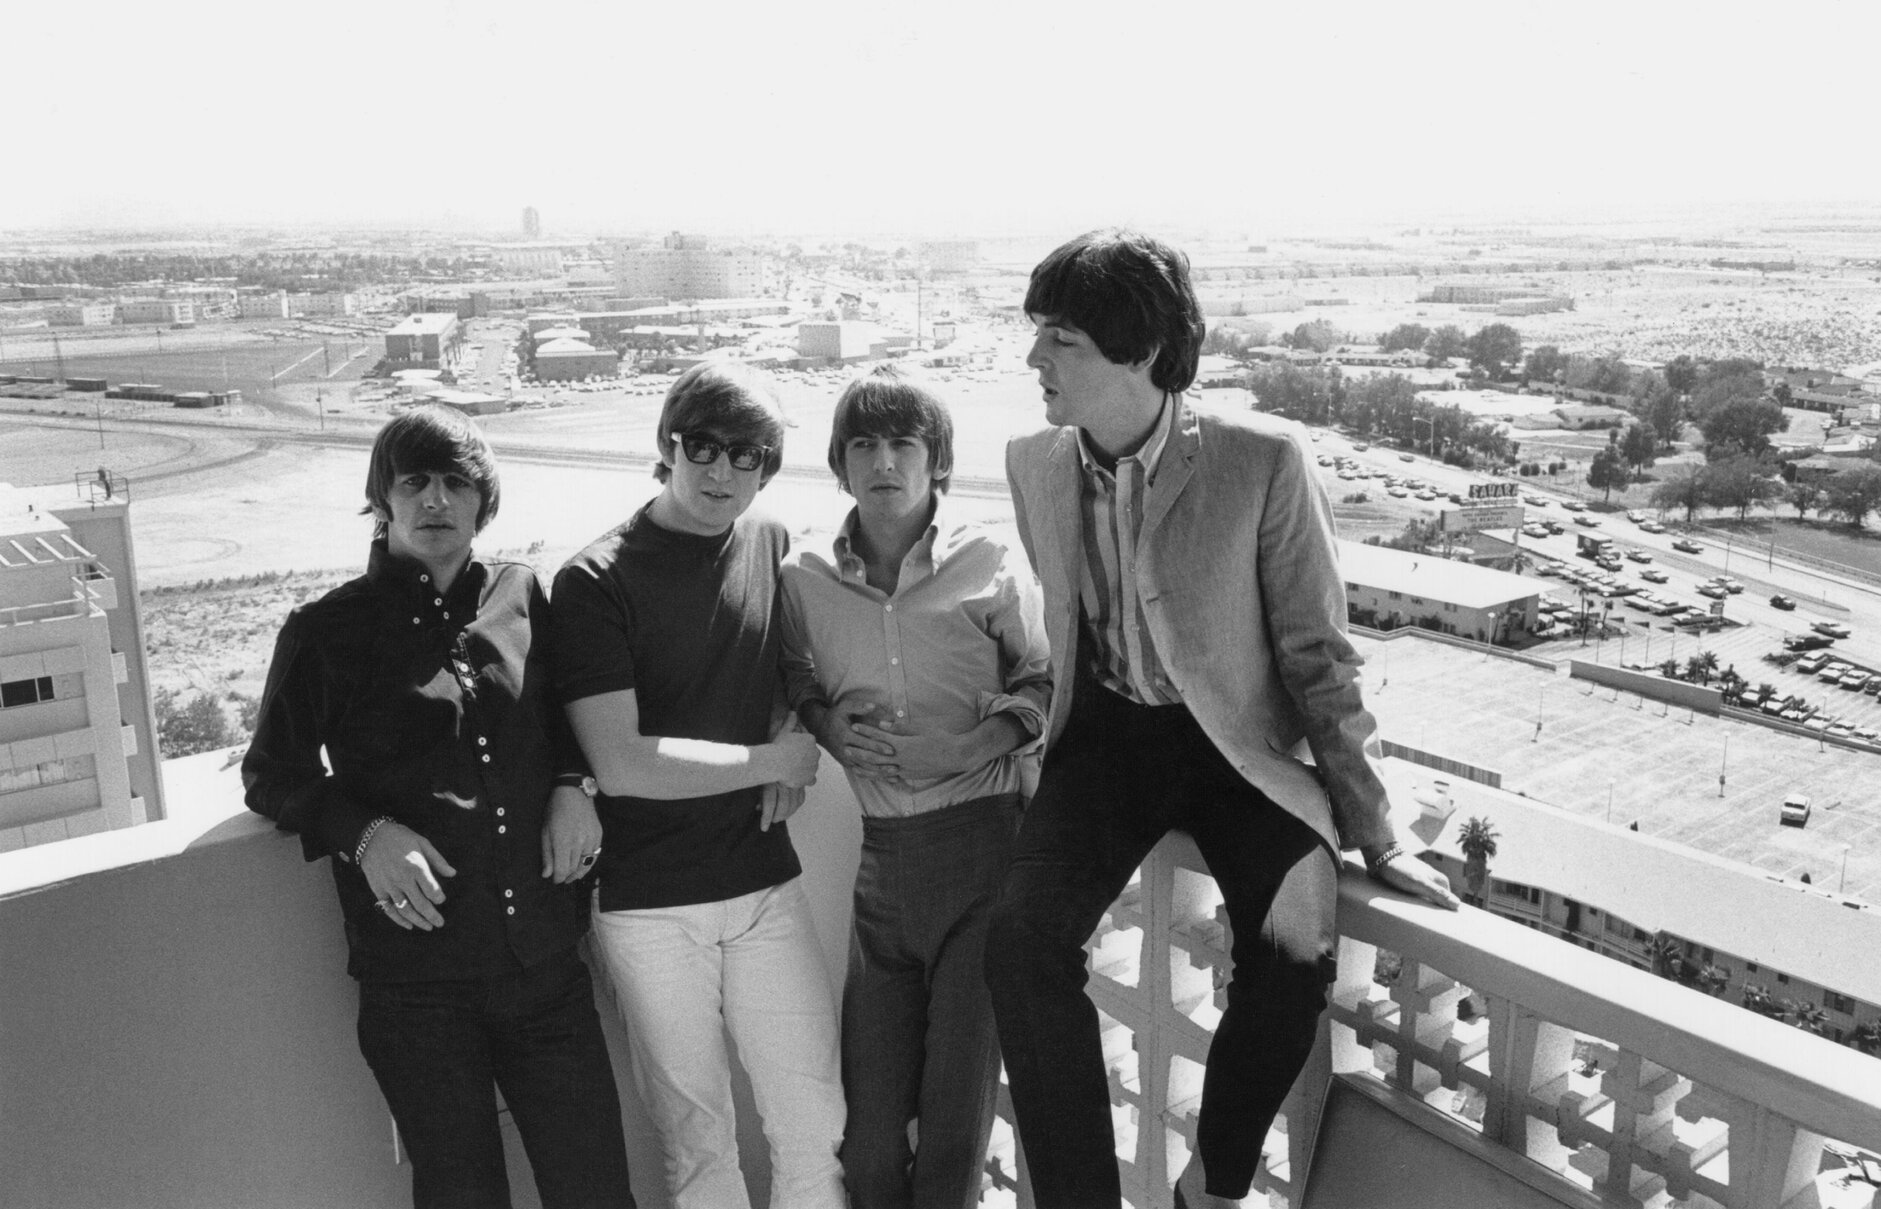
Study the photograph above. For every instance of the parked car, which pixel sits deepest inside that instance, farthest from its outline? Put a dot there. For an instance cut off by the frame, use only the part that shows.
(1638, 555)
(1653, 575)
(1651, 527)
(1780, 601)
(1635, 515)
(1535, 501)
(1591, 522)
(1688, 546)
(1807, 642)
(1795, 810)
(1830, 629)
(1574, 505)
(1715, 591)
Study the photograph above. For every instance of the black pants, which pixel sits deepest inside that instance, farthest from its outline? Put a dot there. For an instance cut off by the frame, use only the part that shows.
(441, 1049)
(1119, 778)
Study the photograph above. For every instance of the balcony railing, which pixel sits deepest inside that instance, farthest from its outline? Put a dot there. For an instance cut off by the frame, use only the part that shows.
(178, 1032)
(1582, 1079)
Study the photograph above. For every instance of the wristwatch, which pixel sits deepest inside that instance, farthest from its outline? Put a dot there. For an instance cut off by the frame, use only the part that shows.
(570, 780)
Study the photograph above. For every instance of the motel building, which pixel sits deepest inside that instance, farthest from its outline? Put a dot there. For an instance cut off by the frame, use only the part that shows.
(1386, 589)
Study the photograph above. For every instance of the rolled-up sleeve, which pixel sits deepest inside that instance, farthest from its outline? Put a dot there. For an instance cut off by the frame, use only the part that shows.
(1018, 625)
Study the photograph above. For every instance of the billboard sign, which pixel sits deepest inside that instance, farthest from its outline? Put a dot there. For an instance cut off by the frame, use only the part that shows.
(1488, 515)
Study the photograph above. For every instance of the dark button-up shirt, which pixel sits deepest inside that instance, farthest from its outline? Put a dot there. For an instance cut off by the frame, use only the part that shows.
(433, 708)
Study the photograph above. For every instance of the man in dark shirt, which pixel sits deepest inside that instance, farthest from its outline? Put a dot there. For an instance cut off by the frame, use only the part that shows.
(667, 637)
(422, 683)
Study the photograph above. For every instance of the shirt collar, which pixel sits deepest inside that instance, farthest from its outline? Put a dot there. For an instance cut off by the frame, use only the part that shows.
(933, 541)
(407, 576)
(1149, 456)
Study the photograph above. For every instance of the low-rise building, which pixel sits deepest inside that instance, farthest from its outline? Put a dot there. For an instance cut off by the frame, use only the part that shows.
(421, 340)
(157, 310)
(842, 342)
(687, 267)
(78, 740)
(1389, 588)
(82, 314)
(567, 359)
(270, 304)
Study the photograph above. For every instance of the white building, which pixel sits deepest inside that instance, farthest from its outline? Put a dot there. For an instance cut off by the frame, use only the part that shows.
(271, 305)
(1451, 597)
(82, 314)
(329, 303)
(156, 310)
(686, 267)
(528, 259)
(78, 750)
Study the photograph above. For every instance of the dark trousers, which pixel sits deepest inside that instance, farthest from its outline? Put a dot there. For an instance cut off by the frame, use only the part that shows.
(918, 1042)
(440, 1050)
(1119, 777)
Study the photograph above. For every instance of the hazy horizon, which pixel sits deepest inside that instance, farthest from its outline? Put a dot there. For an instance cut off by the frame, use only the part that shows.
(836, 118)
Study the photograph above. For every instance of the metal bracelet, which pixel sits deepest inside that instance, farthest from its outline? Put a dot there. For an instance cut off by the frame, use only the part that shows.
(365, 837)
(1391, 853)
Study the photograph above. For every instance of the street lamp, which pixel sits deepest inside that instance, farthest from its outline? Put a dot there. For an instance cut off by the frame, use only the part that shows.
(1491, 639)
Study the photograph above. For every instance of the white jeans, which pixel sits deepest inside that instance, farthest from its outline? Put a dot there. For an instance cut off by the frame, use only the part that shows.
(751, 966)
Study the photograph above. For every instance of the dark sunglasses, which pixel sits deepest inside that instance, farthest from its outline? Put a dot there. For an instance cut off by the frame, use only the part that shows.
(703, 451)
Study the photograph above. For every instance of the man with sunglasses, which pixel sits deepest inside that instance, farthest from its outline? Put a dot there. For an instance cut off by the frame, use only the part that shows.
(666, 644)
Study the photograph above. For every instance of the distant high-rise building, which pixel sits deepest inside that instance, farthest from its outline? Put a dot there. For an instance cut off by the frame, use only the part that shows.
(78, 744)
(532, 223)
(687, 267)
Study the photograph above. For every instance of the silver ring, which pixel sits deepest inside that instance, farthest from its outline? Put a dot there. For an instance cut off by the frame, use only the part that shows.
(383, 904)
(402, 903)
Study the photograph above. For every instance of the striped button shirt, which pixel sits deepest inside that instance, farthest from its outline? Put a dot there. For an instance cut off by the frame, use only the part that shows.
(1122, 653)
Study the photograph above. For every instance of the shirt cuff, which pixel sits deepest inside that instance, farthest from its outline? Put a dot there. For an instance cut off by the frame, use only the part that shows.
(1022, 708)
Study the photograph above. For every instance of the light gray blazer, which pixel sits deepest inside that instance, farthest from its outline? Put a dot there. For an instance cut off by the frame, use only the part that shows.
(1242, 593)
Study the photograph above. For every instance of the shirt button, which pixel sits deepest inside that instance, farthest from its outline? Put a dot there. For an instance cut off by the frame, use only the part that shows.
(486, 758)
(415, 621)
(888, 608)
(447, 614)
(512, 910)
(424, 579)
(501, 830)
(438, 601)
(482, 742)
(499, 812)
(894, 662)
(901, 713)
(509, 894)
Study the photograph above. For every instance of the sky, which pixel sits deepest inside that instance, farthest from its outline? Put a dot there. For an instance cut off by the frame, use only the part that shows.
(969, 117)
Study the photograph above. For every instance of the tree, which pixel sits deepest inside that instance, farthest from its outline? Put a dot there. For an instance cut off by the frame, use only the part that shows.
(1739, 426)
(1685, 491)
(1666, 414)
(1545, 364)
(1854, 493)
(1447, 341)
(189, 727)
(1639, 447)
(1681, 374)
(1494, 348)
(1405, 335)
(1477, 839)
(1807, 1016)
(1740, 483)
(1757, 998)
(1608, 470)
(1866, 1037)
(1803, 497)
(1319, 335)
(1698, 668)
(1668, 955)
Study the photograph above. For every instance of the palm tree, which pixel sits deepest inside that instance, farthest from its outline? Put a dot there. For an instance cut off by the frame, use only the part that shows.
(1477, 839)
(1808, 1016)
(1707, 664)
(1713, 980)
(1669, 669)
(1668, 956)
(1867, 1037)
(1757, 998)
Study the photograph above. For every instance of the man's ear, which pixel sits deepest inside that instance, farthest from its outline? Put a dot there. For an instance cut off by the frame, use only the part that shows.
(1149, 359)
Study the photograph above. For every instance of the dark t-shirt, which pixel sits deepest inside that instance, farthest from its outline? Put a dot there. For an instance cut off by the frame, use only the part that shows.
(692, 625)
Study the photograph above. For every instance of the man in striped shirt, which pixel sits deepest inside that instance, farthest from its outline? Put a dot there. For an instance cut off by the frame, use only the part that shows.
(1196, 617)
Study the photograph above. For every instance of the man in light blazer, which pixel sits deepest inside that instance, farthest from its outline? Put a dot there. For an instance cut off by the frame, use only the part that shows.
(1197, 624)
